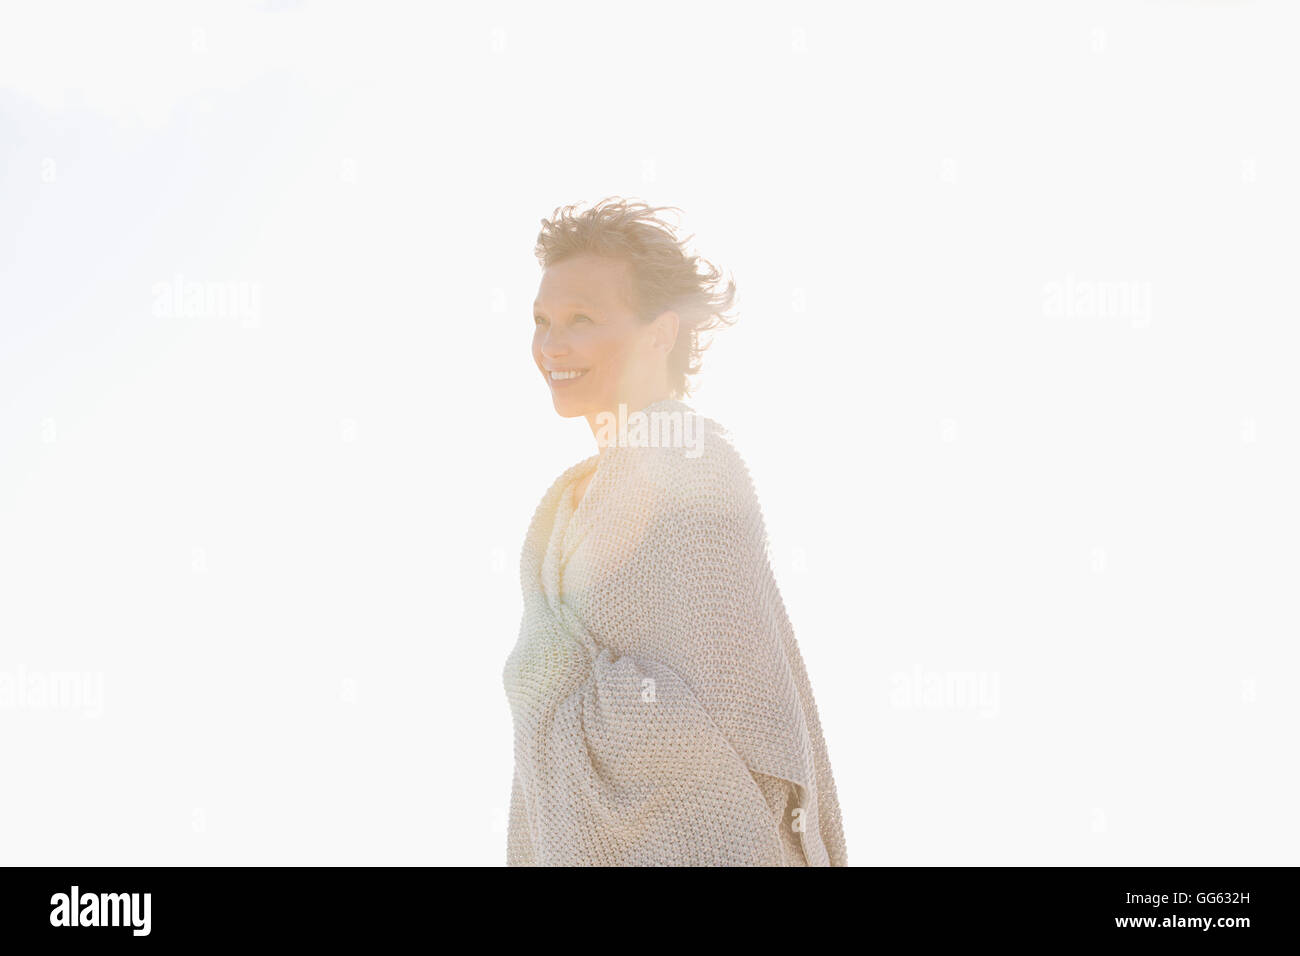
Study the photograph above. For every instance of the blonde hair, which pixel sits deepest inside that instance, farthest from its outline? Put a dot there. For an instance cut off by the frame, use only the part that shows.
(665, 276)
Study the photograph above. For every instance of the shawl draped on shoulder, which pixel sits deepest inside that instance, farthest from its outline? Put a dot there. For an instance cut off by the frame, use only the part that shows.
(662, 713)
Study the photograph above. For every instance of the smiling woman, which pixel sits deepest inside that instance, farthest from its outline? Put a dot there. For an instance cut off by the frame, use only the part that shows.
(662, 713)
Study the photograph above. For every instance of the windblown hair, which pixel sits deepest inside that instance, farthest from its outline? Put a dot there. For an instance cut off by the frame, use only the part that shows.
(666, 277)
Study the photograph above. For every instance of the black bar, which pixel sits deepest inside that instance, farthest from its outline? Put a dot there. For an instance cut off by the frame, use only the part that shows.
(386, 906)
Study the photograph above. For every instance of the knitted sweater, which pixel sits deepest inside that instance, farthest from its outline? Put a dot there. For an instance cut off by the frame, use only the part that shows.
(662, 714)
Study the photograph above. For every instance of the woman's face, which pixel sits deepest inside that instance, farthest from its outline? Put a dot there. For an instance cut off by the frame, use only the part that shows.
(589, 345)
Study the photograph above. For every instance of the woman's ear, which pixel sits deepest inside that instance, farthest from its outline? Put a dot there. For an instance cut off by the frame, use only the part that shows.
(663, 331)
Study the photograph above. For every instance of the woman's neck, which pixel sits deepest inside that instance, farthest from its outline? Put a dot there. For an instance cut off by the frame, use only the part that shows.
(632, 404)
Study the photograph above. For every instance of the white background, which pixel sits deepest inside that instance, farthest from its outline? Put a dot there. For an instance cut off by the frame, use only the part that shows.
(285, 545)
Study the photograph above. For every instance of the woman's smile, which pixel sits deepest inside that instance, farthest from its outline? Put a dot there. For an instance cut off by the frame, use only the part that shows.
(562, 378)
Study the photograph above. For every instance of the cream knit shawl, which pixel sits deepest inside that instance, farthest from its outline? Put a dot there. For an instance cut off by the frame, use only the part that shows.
(662, 714)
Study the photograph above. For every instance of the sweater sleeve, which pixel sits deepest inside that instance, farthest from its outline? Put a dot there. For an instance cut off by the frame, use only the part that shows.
(629, 770)
(782, 798)
(519, 845)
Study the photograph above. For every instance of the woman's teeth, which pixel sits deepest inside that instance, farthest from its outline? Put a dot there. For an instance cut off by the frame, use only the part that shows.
(566, 375)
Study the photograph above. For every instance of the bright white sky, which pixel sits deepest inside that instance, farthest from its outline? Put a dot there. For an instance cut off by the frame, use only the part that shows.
(286, 543)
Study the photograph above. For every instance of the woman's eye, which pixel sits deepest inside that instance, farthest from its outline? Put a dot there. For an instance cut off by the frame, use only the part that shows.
(581, 318)
(538, 320)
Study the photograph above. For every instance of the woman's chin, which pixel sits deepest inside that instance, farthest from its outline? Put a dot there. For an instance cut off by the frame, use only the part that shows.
(568, 406)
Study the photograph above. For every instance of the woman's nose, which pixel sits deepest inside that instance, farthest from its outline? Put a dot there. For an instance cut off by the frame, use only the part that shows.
(553, 342)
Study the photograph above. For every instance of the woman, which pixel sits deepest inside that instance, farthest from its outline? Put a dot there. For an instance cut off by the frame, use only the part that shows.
(662, 714)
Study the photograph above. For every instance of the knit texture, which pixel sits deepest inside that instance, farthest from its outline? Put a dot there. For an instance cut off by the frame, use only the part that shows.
(662, 713)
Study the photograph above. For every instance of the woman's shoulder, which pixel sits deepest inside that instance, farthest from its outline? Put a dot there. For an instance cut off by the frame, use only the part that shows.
(686, 456)
(550, 500)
